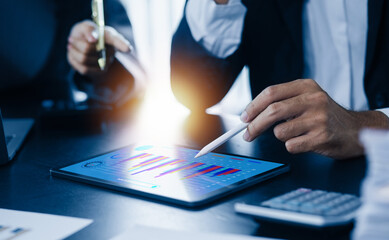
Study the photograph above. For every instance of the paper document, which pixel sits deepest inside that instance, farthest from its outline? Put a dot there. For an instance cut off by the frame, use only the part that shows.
(373, 217)
(19, 225)
(151, 233)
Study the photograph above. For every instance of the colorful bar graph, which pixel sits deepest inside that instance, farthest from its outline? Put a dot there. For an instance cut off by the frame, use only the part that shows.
(150, 161)
(226, 172)
(185, 167)
(140, 156)
(172, 162)
(203, 171)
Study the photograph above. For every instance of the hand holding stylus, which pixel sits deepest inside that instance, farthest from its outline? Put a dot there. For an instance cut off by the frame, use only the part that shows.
(82, 53)
(222, 139)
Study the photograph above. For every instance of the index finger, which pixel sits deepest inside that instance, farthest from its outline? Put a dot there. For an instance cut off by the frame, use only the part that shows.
(117, 40)
(83, 30)
(276, 93)
(84, 46)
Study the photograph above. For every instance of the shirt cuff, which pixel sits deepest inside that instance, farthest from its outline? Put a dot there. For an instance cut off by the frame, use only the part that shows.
(384, 111)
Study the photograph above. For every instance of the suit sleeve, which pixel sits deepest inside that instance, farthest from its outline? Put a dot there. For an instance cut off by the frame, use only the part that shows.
(200, 80)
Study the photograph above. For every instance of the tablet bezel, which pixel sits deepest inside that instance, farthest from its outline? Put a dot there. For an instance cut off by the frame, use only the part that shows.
(194, 202)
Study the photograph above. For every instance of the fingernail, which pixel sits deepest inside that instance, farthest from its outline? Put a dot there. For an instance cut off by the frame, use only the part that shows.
(92, 37)
(130, 48)
(244, 117)
(70, 40)
(246, 136)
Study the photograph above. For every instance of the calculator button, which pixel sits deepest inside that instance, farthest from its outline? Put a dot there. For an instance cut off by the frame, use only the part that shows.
(327, 206)
(334, 212)
(308, 197)
(290, 195)
(310, 210)
(291, 207)
(334, 202)
(326, 197)
(332, 195)
(307, 205)
(272, 204)
(316, 202)
(331, 207)
(347, 197)
(344, 208)
(295, 202)
(352, 204)
(296, 193)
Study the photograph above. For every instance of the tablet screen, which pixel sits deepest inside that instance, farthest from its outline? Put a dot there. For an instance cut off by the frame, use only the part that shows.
(171, 171)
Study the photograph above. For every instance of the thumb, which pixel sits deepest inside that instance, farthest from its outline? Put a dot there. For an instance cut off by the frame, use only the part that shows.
(115, 39)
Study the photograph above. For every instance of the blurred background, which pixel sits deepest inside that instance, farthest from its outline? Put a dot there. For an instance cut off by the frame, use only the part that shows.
(33, 39)
(34, 66)
(154, 23)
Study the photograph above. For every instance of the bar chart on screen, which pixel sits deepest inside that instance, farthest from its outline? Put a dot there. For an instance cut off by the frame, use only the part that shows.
(171, 165)
(161, 166)
(153, 167)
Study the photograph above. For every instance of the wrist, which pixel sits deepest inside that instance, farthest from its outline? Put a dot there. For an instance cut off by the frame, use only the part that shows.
(349, 137)
(221, 1)
(372, 119)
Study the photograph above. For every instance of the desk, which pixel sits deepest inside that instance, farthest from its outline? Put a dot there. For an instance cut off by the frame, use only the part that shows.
(27, 185)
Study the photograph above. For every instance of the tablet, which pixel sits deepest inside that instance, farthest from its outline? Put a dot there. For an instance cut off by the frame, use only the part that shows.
(171, 173)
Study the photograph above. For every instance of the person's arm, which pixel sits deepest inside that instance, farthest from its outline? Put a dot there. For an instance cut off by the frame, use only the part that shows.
(307, 119)
(199, 77)
(123, 77)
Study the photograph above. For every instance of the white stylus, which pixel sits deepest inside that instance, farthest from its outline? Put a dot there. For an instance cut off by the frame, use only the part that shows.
(222, 139)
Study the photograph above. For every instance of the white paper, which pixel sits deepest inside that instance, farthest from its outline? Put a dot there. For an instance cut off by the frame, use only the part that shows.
(373, 217)
(151, 233)
(19, 225)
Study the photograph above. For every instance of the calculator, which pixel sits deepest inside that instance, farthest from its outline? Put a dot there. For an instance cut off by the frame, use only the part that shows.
(306, 207)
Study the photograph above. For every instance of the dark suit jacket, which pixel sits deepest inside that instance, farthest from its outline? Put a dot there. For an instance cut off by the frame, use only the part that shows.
(272, 48)
(33, 39)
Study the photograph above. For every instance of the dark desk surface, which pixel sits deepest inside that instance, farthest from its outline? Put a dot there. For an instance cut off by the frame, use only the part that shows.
(27, 185)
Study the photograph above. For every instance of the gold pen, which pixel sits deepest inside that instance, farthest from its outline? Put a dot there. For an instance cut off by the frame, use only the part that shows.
(98, 18)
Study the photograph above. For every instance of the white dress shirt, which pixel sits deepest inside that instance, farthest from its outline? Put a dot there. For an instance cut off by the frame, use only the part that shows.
(216, 27)
(334, 35)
